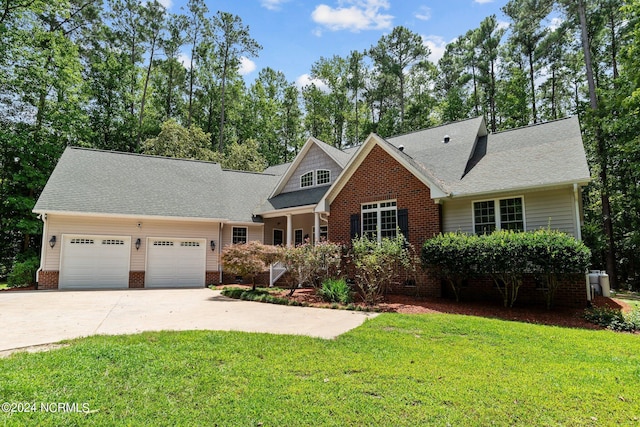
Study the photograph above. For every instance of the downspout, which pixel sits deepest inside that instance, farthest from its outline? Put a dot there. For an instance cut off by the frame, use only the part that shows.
(220, 225)
(576, 197)
(43, 217)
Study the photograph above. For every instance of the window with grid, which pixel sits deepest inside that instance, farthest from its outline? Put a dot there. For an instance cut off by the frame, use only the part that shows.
(380, 220)
(306, 180)
(323, 176)
(484, 214)
(509, 217)
(239, 235)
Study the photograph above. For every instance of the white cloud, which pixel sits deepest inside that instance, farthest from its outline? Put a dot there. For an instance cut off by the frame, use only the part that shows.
(306, 80)
(503, 25)
(436, 45)
(424, 13)
(185, 60)
(555, 23)
(247, 66)
(272, 4)
(360, 15)
(483, 1)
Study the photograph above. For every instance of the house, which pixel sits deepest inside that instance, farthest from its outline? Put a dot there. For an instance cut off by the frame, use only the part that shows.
(118, 220)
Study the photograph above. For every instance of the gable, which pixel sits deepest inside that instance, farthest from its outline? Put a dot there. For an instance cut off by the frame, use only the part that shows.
(315, 159)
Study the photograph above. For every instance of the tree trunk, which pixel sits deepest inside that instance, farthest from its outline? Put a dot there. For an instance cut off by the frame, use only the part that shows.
(600, 151)
(533, 88)
(222, 98)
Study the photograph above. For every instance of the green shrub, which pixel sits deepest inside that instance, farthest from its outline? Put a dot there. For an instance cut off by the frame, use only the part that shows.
(613, 318)
(506, 256)
(335, 290)
(23, 272)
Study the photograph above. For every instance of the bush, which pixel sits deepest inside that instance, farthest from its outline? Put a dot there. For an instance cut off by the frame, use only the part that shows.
(311, 264)
(333, 290)
(378, 263)
(506, 256)
(23, 273)
(613, 318)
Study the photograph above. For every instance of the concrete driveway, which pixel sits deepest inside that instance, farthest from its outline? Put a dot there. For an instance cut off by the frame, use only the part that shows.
(31, 318)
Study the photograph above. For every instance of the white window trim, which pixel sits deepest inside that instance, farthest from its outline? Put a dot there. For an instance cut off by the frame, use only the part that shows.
(246, 233)
(313, 179)
(378, 211)
(323, 170)
(496, 204)
(273, 236)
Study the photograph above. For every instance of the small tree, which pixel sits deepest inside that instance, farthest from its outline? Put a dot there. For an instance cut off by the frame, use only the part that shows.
(377, 264)
(248, 259)
(311, 264)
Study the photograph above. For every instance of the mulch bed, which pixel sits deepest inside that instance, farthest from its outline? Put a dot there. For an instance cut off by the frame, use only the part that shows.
(559, 316)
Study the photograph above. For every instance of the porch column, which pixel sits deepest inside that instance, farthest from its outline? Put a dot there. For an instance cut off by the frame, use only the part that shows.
(316, 237)
(289, 230)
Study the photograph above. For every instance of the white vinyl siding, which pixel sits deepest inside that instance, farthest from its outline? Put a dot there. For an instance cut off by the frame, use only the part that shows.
(550, 208)
(57, 225)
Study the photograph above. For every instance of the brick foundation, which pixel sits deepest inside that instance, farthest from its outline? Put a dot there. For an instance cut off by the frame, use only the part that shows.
(212, 278)
(136, 279)
(571, 292)
(48, 279)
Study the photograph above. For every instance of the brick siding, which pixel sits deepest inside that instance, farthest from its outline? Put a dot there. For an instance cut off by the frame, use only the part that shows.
(48, 279)
(212, 278)
(380, 177)
(136, 279)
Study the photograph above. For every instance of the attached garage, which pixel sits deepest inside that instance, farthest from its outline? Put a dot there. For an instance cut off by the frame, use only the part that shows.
(175, 263)
(94, 262)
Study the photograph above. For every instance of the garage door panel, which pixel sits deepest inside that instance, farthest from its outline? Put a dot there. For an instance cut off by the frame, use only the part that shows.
(90, 262)
(175, 263)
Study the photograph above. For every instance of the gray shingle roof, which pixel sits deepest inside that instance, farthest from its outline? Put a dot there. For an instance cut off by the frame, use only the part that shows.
(539, 155)
(293, 199)
(93, 181)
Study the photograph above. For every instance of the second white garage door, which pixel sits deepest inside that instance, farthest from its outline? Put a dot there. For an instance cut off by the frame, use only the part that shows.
(175, 263)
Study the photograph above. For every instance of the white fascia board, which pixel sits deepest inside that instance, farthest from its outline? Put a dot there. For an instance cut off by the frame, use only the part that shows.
(130, 216)
(297, 210)
(526, 188)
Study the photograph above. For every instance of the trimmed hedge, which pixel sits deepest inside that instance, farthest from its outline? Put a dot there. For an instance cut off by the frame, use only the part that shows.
(506, 256)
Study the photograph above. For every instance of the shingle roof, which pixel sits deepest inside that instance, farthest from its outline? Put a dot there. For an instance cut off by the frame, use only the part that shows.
(538, 155)
(293, 199)
(93, 181)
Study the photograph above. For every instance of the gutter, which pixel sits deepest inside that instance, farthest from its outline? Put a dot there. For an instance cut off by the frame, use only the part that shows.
(43, 217)
(576, 196)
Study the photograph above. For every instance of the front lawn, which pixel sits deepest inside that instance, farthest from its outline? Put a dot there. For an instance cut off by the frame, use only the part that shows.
(3, 286)
(394, 370)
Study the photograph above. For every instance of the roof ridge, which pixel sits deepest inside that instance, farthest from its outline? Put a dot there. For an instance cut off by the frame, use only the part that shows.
(534, 124)
(433, 127)
(151, 156)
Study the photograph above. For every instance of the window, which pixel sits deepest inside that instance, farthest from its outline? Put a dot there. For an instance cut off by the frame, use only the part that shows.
(190, 244)
(82, 241)
(297, 237)
(239, 235)
(509, 217)
(306, 180)
(323, 176)
(162, 243)
(112, 242)
(379, 220)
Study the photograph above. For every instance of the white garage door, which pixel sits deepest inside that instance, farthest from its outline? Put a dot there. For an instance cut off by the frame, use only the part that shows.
(94, 262)
(175, 263)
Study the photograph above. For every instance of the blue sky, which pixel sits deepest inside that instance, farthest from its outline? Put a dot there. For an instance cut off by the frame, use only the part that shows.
(296, 33)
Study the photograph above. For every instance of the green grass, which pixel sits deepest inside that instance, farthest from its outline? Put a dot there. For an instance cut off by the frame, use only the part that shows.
(4, 286)
(394, 370)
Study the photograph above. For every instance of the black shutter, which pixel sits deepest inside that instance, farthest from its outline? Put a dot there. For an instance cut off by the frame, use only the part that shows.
(355, 226)
(403, 222)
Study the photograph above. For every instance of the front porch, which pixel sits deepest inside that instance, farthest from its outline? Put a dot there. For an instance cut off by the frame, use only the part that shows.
(295, 228)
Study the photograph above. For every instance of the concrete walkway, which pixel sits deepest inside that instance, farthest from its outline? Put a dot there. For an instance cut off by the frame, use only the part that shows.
(31, 318)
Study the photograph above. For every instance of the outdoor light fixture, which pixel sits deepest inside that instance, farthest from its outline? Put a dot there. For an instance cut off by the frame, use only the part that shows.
(213, 245)
(138, 243)
(52, 241)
